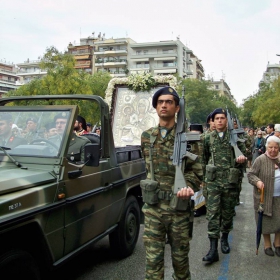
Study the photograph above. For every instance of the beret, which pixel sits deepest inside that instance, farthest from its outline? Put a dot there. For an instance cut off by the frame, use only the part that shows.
(197, 127)
(89, 124)
(81, 120)
(62, 115)
(164, 91)
(218, 111)
(208, 118)
(31, 120)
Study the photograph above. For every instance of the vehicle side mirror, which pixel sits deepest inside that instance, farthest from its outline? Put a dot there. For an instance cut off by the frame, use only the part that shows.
(92, 152)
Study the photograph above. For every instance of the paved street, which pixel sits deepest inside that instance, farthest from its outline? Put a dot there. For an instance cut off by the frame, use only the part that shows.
(242, 263)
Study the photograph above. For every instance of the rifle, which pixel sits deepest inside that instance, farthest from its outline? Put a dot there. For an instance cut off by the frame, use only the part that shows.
(181, 150)
(234, 136)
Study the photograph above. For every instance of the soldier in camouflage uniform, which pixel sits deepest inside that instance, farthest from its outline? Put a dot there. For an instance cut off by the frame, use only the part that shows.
(221, 175)
(160, 219)
(241, 175)
(211, 127)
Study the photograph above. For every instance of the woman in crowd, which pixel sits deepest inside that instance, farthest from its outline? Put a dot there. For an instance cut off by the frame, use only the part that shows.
(258, 147)
(265, 174)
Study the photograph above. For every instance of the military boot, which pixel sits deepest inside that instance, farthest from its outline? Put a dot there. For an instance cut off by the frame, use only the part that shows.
(212, 255)
(224, 243)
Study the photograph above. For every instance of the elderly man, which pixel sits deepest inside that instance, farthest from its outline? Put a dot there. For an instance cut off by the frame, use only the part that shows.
(277, 130)
(7, 138)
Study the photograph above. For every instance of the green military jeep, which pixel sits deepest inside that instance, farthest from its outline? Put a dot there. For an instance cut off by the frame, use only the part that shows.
(51, 208)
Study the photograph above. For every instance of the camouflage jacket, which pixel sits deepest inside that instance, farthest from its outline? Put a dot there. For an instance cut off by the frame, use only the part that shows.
(223, 153)
(164, 170)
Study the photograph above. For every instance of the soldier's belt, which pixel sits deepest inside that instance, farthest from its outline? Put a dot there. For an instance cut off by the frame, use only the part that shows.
(164, 195)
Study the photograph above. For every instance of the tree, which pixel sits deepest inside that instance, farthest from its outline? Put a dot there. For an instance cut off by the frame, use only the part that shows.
(201, 100)
(263, 107)
(62, 78)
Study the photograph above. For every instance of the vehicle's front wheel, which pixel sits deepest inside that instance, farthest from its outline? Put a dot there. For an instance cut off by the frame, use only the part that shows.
(123, 240)
(18, 264)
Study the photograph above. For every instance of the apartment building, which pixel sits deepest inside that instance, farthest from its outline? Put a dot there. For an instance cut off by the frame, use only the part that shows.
(9, 80)
(271, 73)
(29, 70)
(222, 87)
(112, 55)
(164, 57)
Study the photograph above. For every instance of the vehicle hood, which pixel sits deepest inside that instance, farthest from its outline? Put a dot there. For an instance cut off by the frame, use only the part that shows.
(18, 179)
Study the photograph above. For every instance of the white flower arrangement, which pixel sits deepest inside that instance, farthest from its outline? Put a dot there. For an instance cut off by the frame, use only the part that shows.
(141, 81)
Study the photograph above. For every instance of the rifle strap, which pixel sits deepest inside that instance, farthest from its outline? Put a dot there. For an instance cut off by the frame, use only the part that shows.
(152, 141)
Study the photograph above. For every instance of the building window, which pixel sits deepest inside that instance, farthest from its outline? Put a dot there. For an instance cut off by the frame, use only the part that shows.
(216, 86)
(138, 52)
(145, 51)
(168, 63)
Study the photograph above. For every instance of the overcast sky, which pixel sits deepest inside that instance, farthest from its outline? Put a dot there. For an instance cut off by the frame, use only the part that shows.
(235, 39)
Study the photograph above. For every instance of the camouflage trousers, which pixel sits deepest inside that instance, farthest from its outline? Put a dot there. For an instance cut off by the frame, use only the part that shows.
(220, 209)
(177, 226)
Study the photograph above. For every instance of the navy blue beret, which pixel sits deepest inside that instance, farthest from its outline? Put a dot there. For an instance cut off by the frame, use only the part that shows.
(164, 91)
(218, 111)
(209, 117)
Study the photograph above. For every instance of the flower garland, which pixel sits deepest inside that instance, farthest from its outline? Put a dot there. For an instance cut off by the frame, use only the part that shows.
(142, 81)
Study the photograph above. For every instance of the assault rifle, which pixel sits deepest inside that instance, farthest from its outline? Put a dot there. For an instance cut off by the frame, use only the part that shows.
(234, 136)
(181, 148)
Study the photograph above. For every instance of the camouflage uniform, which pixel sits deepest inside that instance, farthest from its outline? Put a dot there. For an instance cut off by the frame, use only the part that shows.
(202, 136)
(160, 219)
(221, 195)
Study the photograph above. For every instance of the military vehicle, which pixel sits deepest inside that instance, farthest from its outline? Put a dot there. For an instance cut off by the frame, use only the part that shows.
(52, 208)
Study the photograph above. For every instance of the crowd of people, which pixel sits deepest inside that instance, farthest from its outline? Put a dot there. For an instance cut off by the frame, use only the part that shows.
(217, 173)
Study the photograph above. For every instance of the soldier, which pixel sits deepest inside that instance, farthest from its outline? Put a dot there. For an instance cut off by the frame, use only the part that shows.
(221, 169)
(196, 148)
(211, 127)
(241, 174)
(31, 127)
(77, 144)
(7, 138)
(160, 218)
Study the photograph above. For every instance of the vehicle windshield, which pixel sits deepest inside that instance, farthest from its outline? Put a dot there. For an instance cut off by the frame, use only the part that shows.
(33, 133)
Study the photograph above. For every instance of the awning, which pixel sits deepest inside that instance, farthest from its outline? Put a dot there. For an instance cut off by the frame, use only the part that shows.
(139, 59)
(166, 71)
(165, 58)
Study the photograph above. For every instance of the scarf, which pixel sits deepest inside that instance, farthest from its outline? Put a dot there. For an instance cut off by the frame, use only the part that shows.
(277, 163)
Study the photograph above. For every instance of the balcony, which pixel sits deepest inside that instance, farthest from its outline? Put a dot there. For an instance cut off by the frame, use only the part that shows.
(110, 51)
(113, 62)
